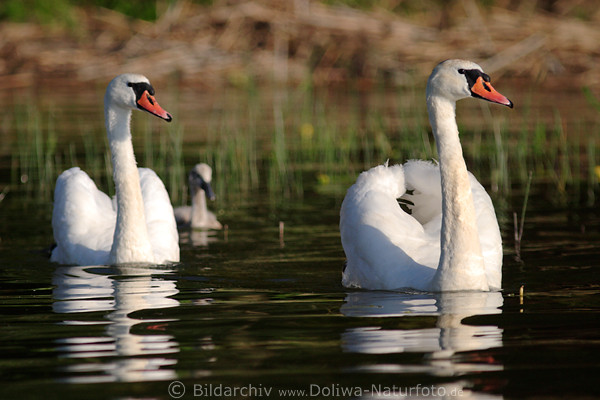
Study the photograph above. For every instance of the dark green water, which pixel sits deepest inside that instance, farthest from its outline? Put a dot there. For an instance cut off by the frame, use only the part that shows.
(247, 315)
(252, 314)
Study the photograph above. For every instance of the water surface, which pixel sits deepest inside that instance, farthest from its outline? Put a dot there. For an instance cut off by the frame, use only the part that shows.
(250, 314)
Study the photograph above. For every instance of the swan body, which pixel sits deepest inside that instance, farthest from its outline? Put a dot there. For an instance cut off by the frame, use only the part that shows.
(447, 236)
(197, 215)
(137, 226)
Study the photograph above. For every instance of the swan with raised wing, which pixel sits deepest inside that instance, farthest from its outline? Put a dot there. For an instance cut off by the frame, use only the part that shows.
(138, 226)
(422, 225)
(197, 215)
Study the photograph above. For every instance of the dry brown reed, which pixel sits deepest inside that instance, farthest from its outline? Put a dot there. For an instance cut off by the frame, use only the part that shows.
(297, 41)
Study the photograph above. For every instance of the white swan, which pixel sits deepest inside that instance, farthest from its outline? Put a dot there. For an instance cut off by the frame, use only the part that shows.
(449, 239)
(138, 226)
(197, 215)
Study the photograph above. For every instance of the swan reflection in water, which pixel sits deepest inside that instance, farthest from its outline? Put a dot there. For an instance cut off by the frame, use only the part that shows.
(122, 291)
(440, 341)
(198, 237)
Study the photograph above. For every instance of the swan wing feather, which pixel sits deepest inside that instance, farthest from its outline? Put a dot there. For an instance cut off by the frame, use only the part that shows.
(489, 234)
(423, 177)
(386, 248)
(162, 228)
(83, 220)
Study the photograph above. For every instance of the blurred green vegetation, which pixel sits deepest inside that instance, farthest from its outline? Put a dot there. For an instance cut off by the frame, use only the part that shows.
(36, 11)
(62, 12)
(290, 146)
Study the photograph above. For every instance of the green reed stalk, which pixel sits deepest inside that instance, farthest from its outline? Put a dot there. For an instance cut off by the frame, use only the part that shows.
(566, 175)
(519, 227)
(592, 178)
(175, 169)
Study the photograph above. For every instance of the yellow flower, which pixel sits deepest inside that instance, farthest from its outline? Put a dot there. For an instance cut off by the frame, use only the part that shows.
(307, 131)
(323, 179)
(597, 171)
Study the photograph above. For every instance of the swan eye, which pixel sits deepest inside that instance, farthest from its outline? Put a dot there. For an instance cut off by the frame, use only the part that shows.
(471, 75)
(140, 87)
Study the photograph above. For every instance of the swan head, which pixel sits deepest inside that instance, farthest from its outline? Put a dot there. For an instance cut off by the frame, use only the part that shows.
(459, 79)
(134, 92)
(199, 179)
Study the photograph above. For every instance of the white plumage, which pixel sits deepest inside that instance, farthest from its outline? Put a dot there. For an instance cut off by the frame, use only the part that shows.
(447, 238)
(138, 225)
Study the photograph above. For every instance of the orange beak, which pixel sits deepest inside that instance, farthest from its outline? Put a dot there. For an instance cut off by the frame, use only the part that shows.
(486, 91)
(148, 103)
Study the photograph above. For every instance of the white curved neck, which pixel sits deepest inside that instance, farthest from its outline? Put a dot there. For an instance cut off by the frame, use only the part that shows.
(199, 209)
(131, 242)
(461, 265)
